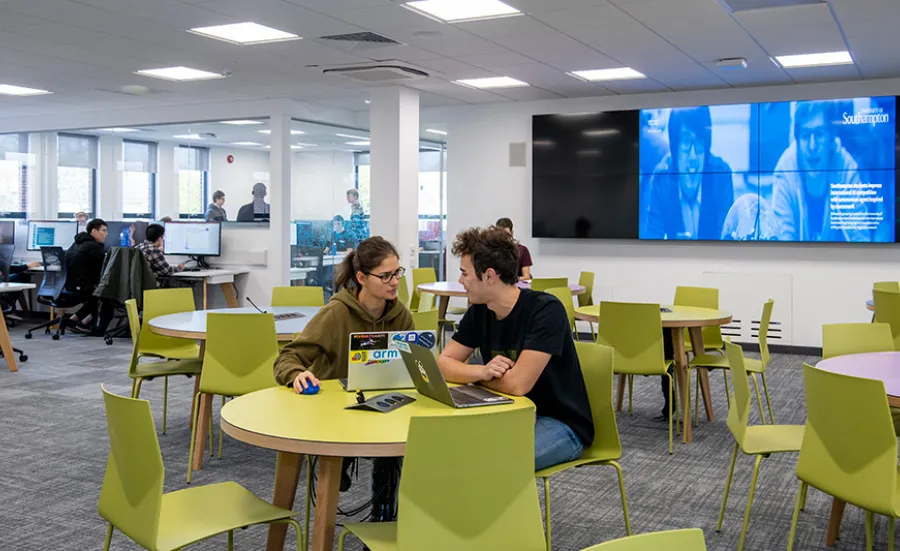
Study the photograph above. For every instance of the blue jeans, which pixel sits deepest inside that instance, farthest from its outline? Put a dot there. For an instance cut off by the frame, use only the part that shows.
(554, 443)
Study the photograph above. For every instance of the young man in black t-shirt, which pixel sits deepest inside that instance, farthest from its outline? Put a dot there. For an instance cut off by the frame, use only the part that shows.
(526, 344)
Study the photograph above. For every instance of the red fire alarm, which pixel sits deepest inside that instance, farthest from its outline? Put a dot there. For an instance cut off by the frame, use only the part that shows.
(230, 159)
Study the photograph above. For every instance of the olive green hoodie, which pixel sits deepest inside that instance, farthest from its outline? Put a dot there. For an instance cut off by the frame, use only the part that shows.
(323, 345)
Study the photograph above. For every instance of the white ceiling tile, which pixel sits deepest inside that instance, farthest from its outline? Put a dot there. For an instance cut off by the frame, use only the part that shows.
(187, 17)
(794, 30)
(283, 16)
(13, 20)
(445, 65)
(824, 74)
(129, 6)
(503, 26)
(528, 94)
(541, 6)
(498, 60)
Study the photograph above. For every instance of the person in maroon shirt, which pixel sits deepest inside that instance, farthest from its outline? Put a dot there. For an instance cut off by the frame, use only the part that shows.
(524, 265)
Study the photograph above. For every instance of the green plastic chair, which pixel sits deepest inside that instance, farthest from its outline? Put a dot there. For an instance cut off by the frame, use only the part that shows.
(298, 296)
(634, 331)
(840, 339)
(586, 280)
(132, 498)
(887, 310)
(759, 440)
(849, 448)
(420, 276)
(673, 540)
(426, 321)
(240, 352)
(403, 292)
(140, 371)
(701, 297)
(426, 303)
(597, 368)
(449, 501)
(752, 366)
(564, 294)
(544, 283)
(161, 302)
(890, 286)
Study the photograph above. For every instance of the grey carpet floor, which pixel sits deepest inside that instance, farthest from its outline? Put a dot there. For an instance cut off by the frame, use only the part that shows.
(53, 449)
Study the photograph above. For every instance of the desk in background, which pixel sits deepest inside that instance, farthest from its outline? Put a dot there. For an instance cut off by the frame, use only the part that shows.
(5, 342)
(223, 277)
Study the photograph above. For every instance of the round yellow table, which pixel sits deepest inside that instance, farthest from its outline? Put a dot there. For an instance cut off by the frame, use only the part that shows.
(293, 425)
(444, 290)
(676, 321)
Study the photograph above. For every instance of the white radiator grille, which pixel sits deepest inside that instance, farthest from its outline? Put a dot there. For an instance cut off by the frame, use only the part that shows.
(744, 295)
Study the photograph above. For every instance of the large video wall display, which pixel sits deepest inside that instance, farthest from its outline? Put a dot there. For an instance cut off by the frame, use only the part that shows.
(800, 171)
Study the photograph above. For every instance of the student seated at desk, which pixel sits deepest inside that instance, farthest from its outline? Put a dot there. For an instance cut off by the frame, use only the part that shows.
(524, 263)
(152, 249)
(84, 266)
(526, 343)
(341, 239)
(367, 280)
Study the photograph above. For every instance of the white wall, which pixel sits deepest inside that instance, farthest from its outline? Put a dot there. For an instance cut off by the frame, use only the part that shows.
(319, 184)
(828, 283)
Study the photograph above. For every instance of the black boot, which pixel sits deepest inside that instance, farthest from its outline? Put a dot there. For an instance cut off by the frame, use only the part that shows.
(349, 468)
(385, 480)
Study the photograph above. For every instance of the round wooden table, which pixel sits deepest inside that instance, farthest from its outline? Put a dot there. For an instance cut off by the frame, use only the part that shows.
(5, 342)
(446, 289)
(881, 366)
(192, 325)
(293, 425)
(676, 320)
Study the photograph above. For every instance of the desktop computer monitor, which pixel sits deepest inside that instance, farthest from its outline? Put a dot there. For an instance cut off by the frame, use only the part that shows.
(193, 238)
(50, 233)
(125, 234)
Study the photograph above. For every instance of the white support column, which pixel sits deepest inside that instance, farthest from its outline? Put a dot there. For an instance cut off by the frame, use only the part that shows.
(166, 182)
(394, 121)
(47, 155)
(109, 178)
(279, 241)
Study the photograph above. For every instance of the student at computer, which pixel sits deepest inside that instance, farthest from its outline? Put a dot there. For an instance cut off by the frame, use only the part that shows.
(524, 264)
(84, 266)
(367, 282)
(152, 249)
(526, 343)
(341, 238)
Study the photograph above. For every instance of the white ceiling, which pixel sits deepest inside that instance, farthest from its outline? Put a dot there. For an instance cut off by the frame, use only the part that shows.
(86, 50)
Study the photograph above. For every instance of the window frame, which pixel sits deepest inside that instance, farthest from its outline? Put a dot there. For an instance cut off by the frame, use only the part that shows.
(91, 212)
(154, 152)
(204, 185)
(23, 182)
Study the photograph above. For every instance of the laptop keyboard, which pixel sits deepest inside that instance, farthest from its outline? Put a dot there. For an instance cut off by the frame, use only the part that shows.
(464, 399)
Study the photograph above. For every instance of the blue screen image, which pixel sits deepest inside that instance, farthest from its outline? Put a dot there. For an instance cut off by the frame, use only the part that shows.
(803, 171)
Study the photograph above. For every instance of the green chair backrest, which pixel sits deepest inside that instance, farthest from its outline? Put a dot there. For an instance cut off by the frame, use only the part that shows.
(887, 310)
(134, 325)
(587, 281)
(240, 352)
(544, 283)
(420, 276)
(764, 322)
(298, 296)
(426, 321)
(701, 297)
(564, 294)
(634, 331)
(403, 291)
(131, 495)
(739, 409)
(161, 302)
(449, 501)
(597, 369)
(426, 302)
(840, 339)
(891, 286)
(849, 448)
(673, 540)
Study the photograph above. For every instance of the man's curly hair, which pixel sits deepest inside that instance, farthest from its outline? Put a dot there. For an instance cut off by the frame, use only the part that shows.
(489, 248)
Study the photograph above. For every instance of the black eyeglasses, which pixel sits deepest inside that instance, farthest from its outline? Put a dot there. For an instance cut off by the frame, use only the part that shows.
(386, 278)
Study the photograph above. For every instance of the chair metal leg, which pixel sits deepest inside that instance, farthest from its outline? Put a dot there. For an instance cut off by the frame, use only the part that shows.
(727, 488)
(624, 501)
(301, 540)
(195, 415)
(803, 501)
(891, 533)
(220, 430)
(749, 502)
(341, 537)
(231, 540)
(768, 401)
(547, 511)
(870, 530)
(308, 500)
(800, 492)
(630, 393)
(109, 532)
(727, 392)
(133, 387)
(696, 398)
(762, 417)
(212, 451)
(137, 389)
(671, 384)
(165, 401)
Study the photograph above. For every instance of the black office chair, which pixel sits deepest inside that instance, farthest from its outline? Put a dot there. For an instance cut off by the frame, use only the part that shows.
(6, 257)
(52, 292)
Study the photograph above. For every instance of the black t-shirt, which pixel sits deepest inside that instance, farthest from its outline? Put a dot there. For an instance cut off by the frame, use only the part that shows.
(537, 322)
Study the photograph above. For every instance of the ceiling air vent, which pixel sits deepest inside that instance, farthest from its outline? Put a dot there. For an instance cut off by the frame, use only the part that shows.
(749, 5)
(378, 74)
(366, 37)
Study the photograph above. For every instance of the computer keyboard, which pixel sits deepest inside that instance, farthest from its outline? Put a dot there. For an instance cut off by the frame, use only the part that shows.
(288, 316)
(462, 398)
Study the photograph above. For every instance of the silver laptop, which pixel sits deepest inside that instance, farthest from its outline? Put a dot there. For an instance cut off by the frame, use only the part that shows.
(425, 373)
(375, 362)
